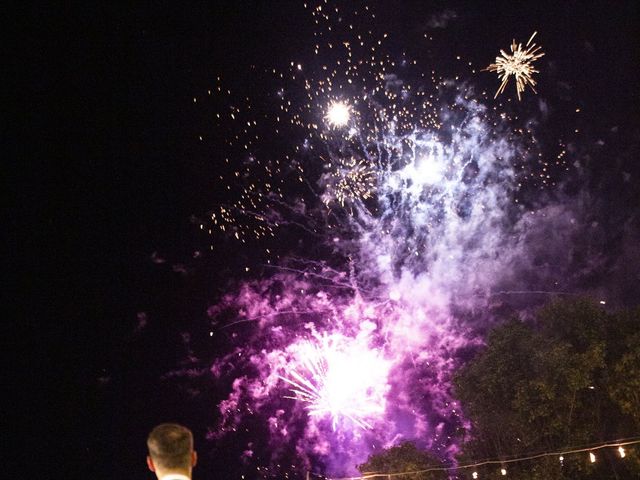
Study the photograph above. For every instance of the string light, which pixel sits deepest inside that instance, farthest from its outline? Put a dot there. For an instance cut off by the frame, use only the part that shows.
(619, 444)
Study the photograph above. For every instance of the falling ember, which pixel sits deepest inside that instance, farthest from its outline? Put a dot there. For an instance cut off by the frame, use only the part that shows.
(518, 64)
(340, 378)
(338, 114)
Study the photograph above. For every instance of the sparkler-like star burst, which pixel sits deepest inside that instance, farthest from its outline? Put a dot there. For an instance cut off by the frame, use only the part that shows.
(340, 378)
(518, 64)
(352, 181)
(403, 200)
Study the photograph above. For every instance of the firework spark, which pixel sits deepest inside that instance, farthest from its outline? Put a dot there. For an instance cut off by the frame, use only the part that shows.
(338, 114)
(353, 180)
(518, 64)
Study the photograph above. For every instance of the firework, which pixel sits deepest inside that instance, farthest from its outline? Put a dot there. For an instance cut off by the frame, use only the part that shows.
(340, 379)
(519, 64)
(377, 291)
(338, 114)
(229, 220)
(353, 180)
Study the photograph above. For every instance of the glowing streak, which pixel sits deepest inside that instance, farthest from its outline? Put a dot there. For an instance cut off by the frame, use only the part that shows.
(338, 114)
(518, 64)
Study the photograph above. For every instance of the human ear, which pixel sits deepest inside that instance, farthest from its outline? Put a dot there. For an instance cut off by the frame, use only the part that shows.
(150, 464)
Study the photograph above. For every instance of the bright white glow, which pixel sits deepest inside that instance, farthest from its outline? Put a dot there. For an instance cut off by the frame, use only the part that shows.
(503, 471)
(427, 165)
(429, 170)
(350, 377)
(561, 459)
(592, 457)
(474, 474)
(621, 452)
(394, 295)
(341, 377)
(338, 114)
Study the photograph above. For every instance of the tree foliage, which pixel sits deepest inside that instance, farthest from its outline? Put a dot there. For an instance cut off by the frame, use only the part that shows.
(569, 378)
(405, 457)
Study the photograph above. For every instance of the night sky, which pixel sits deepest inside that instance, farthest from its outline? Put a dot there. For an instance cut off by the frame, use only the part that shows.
(111, 182)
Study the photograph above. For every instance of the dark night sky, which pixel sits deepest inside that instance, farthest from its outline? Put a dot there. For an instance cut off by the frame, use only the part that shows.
(108, 171)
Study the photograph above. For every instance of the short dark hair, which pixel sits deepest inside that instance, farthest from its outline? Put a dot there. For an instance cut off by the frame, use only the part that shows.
(170, 446)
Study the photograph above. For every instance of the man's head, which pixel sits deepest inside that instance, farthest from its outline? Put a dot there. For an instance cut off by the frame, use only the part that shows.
(171, 450)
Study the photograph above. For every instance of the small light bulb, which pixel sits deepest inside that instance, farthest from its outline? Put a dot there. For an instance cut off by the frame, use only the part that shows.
(474, 474)
(503, 471)
(592, 457)
(621, 452)
(561, 459)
